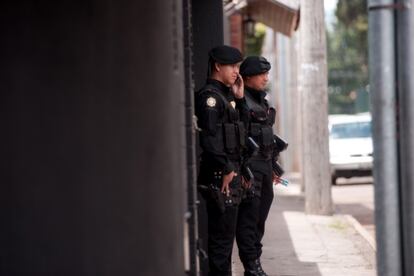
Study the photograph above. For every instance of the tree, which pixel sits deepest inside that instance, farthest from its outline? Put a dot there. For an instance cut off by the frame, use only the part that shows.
(254, 43)
(348, 58)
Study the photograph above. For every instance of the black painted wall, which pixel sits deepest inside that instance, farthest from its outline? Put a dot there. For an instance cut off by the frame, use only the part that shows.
(207, 19)
(207, 32)
(92, 138)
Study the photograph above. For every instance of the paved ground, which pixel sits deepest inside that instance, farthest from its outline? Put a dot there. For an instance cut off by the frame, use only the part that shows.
(307, 245)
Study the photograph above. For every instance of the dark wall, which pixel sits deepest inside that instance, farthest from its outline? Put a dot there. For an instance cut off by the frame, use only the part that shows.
(91, 158)
(207, 33)
(207, 23)
(192, 218)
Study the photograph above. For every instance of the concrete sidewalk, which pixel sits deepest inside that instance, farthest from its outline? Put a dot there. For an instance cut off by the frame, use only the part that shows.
(309, 245)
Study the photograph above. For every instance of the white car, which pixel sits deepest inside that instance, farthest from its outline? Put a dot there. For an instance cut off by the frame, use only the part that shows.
(350, 145)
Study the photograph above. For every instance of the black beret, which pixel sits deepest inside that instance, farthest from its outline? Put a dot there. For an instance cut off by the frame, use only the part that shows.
(225, 55)
(254, 65)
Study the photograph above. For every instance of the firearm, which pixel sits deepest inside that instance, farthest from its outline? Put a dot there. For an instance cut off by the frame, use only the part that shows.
(279, 146)
(214, 193)
(252, 150)
(252, 147)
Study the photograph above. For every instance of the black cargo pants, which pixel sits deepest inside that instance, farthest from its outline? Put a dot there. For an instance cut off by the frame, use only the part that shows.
(253, 212)
(221, 225)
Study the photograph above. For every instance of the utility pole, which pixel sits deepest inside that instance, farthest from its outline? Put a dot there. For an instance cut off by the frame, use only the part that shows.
(382, 67)
(313, 89)
(405, 59)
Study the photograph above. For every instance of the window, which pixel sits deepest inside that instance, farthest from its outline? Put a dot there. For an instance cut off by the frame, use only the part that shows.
(351, 130)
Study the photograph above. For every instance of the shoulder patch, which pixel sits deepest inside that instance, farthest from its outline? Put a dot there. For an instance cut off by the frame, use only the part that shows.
(211, 102)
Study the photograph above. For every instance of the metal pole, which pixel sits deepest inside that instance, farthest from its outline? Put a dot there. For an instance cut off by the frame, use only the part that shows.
(383, 101)
(405, 36)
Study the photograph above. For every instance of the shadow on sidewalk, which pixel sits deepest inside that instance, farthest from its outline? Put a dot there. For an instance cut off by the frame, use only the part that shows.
(361, 213)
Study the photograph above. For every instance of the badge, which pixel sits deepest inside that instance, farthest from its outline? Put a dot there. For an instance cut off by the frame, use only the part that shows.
(233, 104)
(211, 102)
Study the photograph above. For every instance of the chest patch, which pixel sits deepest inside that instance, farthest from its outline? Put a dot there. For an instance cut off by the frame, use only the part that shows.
(233, 104)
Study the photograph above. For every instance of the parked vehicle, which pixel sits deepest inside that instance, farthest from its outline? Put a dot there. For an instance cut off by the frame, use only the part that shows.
(350, 145)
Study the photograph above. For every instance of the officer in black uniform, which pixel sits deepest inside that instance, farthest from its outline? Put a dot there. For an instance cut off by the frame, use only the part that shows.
(254, 208)
(220, 105)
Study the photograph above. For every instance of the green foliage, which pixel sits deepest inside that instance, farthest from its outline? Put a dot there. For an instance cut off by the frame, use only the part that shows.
(253, 44)
(348, 58)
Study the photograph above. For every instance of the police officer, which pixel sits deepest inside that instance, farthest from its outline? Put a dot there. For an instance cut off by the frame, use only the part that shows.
(254, 209)
(219, 108)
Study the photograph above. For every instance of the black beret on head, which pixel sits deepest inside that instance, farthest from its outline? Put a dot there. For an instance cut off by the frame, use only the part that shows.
(254, 65)
(225, 55)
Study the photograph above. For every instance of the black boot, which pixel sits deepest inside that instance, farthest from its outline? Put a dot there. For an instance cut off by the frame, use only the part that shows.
(254, 268)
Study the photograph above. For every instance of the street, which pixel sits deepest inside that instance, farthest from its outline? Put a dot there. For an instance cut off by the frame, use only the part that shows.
(355, 196)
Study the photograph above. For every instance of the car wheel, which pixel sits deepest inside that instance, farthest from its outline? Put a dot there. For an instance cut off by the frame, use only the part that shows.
(333, 179)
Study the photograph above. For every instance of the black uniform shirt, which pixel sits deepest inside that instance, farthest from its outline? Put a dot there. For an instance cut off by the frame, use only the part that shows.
(210, 110)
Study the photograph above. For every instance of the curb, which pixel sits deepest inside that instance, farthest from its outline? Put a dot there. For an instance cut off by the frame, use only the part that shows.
(362, 231)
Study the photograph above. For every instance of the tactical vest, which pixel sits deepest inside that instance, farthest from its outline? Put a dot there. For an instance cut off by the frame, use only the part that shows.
(260, 126)
(230, 132)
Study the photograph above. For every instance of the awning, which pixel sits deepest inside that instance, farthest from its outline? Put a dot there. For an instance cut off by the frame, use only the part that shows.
(282, 15)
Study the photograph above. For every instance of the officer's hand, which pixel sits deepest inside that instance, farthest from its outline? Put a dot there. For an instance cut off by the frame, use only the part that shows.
(238, 87)
(227, 178)
(276, 179)
(246, 183)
